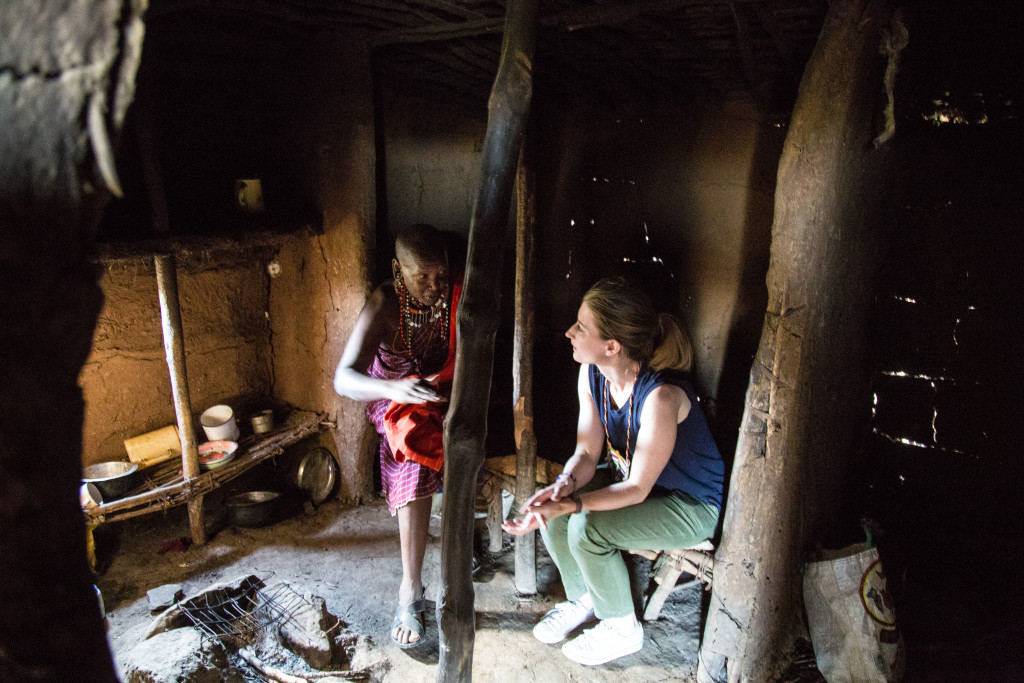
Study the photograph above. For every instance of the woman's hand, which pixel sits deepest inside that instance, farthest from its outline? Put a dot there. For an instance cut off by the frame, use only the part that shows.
(536, 515)
(413, 390)
(547, 504)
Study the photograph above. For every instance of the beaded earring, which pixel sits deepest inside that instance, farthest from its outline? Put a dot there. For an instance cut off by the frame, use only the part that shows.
(396, 271)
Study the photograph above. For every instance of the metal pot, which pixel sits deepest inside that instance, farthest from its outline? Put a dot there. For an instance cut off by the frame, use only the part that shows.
(113, 479)
(254, 508)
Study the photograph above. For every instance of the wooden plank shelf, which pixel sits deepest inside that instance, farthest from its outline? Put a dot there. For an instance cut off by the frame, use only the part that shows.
(164, 485)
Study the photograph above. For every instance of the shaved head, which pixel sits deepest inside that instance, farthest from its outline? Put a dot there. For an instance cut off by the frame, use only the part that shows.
(420, 242)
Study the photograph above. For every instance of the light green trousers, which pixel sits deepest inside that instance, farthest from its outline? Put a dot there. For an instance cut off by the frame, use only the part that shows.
(587, 547)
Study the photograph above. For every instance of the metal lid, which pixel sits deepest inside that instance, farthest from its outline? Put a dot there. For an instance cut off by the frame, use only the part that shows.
(318, 473)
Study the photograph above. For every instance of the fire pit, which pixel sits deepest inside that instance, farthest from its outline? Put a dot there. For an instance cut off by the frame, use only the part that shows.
(253, 630)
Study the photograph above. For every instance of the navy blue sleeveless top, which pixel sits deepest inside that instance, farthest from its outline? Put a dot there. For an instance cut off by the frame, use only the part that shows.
(695, 466)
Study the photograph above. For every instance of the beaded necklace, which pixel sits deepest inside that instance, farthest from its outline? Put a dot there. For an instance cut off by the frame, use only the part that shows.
(619, 460)
(420, 317)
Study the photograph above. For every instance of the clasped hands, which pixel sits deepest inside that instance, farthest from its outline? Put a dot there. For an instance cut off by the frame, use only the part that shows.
(547, 504)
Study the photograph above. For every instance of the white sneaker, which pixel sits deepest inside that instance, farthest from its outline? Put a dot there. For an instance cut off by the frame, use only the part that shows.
(604, 642)
(557, 623)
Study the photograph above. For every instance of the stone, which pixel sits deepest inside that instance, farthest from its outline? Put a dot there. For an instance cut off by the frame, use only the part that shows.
(305, 633)
(177, 656)
(162, 597)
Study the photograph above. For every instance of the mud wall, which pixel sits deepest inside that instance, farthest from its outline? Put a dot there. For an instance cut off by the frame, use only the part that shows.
(323, 280)
(682, 201)
(432, 164)
(126, 381)
(264, 318)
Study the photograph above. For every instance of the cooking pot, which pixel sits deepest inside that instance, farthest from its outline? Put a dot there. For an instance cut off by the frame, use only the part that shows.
(113, 479)
(254, 508)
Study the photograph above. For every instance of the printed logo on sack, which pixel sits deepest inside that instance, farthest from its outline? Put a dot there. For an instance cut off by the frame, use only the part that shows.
(875, 596)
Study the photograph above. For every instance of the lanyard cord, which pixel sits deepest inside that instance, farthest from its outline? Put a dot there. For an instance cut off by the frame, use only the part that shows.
(629, 417)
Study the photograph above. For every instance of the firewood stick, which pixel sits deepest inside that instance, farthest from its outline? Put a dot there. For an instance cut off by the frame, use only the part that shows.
(282, 677)
(268, 671)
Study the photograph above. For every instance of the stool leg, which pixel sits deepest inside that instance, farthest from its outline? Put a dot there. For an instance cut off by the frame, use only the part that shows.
(495, 517)
(665, 577)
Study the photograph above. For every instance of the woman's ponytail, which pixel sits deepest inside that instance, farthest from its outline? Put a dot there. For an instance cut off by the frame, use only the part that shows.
(624, 312)
(673, 350)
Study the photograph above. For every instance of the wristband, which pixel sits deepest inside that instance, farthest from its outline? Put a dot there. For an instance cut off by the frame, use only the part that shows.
(566, 475)
(575, 497)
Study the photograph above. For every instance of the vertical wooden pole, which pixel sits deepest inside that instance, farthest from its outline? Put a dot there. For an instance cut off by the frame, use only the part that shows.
(808, 384)
(522, 369)
(174, 348)
(477, 322)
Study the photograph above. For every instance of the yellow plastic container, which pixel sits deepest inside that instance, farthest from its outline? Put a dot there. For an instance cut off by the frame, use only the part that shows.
(154, 447)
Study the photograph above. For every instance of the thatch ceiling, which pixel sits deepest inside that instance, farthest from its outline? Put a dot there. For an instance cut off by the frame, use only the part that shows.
(619, 53)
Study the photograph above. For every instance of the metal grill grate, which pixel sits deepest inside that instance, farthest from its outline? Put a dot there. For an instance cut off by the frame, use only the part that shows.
(243, 612)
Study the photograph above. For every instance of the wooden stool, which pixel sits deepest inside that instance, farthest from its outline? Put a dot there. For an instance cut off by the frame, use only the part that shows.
(669, 564)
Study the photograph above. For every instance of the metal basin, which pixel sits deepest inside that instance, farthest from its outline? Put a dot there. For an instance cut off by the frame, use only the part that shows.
(114, 479)
(254, 508)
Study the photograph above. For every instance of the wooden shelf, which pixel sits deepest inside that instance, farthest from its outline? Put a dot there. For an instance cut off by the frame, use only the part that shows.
(165, 487)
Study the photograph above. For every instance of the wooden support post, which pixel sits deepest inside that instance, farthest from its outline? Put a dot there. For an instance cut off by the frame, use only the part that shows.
(522, 370)
(476, 324)
(810, 376)
(174, 348)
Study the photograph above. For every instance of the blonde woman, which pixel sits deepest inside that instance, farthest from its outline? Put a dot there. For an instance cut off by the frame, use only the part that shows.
(660, 486)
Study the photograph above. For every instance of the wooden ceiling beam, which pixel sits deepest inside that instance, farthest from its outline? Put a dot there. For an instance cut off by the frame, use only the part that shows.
(693, 51)
(593, 17)
(452, 8)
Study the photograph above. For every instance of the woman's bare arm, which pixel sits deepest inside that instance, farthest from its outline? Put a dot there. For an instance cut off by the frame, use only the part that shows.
(351, 378)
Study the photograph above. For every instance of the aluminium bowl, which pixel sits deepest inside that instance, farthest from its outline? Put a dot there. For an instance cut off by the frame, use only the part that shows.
(113, 479)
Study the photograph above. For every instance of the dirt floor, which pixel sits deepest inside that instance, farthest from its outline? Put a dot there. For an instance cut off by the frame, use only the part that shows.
(349, 557)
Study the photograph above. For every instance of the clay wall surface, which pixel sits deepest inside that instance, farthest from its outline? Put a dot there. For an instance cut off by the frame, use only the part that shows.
(126, 381)
(323, 280)
(433, 163)
(261, 323)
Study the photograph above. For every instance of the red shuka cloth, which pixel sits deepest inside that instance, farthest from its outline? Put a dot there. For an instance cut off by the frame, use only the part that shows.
(415, 431)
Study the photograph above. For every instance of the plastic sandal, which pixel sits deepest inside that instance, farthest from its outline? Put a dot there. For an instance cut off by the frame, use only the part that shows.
(411, 617)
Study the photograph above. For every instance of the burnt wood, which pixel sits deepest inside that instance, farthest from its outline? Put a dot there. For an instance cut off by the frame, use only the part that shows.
(476, 324)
